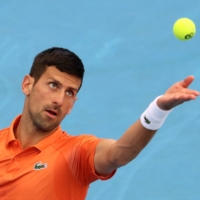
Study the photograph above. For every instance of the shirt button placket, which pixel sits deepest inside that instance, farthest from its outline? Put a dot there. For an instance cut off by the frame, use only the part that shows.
(15, 146)
(16, 158)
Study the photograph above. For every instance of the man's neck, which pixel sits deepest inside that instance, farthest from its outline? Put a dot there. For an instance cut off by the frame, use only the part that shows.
(28, 134)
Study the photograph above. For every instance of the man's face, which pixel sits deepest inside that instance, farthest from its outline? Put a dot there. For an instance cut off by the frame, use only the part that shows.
(51, 98)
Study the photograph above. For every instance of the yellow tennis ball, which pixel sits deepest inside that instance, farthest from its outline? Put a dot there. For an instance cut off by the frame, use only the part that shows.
(184, 29)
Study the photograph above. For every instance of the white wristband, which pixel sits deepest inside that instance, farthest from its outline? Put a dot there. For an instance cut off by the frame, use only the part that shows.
(153, 117)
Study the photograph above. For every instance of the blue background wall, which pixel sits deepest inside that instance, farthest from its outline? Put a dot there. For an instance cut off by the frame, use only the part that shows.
(130, 56)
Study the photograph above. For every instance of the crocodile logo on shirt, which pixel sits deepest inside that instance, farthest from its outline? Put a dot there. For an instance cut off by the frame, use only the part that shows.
(39, 166)
(146, 120)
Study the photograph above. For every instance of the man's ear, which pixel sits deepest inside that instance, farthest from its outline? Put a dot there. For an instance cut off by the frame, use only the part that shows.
(27, 84)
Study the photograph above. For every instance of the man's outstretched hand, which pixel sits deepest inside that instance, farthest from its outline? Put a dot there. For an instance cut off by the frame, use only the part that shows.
(178, 94)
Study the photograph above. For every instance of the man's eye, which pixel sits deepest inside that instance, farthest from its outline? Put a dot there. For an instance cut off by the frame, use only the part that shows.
(53, 85)
(69, 93)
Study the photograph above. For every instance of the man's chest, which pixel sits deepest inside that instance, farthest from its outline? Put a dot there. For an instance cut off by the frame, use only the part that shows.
(32, 171)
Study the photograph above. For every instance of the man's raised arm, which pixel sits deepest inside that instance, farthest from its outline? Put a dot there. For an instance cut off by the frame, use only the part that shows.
(112, 154)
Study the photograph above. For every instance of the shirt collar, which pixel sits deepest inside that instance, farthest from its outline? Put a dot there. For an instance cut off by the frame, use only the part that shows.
(10, 135)
(48, 140)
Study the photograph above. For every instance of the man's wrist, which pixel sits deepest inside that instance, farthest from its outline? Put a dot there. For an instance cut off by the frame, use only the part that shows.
(153, 117)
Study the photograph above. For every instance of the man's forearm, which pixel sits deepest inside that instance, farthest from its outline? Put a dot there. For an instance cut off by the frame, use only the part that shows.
(130, 144)
(112, 154)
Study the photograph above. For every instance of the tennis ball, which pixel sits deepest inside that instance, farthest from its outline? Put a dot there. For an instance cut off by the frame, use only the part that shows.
(184, 29)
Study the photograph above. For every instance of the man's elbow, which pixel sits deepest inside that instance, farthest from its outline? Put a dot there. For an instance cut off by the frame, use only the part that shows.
(121, 155)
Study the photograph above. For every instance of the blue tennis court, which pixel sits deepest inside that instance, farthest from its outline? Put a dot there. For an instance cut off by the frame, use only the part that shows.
(130, 56)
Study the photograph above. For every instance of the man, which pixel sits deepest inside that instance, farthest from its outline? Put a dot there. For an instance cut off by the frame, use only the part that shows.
(40, 161)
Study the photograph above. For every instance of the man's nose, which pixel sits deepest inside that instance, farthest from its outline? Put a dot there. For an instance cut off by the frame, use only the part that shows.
(59, 98)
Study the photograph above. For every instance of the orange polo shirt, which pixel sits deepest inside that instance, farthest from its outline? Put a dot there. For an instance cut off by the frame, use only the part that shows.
(60, 167)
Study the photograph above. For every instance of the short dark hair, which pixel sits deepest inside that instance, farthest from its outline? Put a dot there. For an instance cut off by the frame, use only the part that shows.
(63, 59)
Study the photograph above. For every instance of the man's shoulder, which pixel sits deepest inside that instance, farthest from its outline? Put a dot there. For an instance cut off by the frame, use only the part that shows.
(76, 146)
(4, 131)
(77, 138)
(69, 141)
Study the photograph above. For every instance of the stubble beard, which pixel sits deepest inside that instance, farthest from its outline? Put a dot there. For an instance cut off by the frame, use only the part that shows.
(42, 123)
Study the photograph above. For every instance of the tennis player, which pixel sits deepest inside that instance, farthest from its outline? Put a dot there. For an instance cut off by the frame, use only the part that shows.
(40, 161)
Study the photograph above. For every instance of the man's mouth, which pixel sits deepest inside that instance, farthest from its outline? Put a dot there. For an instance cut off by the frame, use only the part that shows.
(52, 112)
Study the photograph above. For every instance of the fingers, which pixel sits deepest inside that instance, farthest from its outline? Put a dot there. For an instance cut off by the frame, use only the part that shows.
(177, 94)
(190, 92)
(193, 92)
(187, 81)
(185, 96)
(175, 100)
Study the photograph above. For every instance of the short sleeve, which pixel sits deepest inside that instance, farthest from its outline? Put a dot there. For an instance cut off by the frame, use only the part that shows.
(81, 160)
